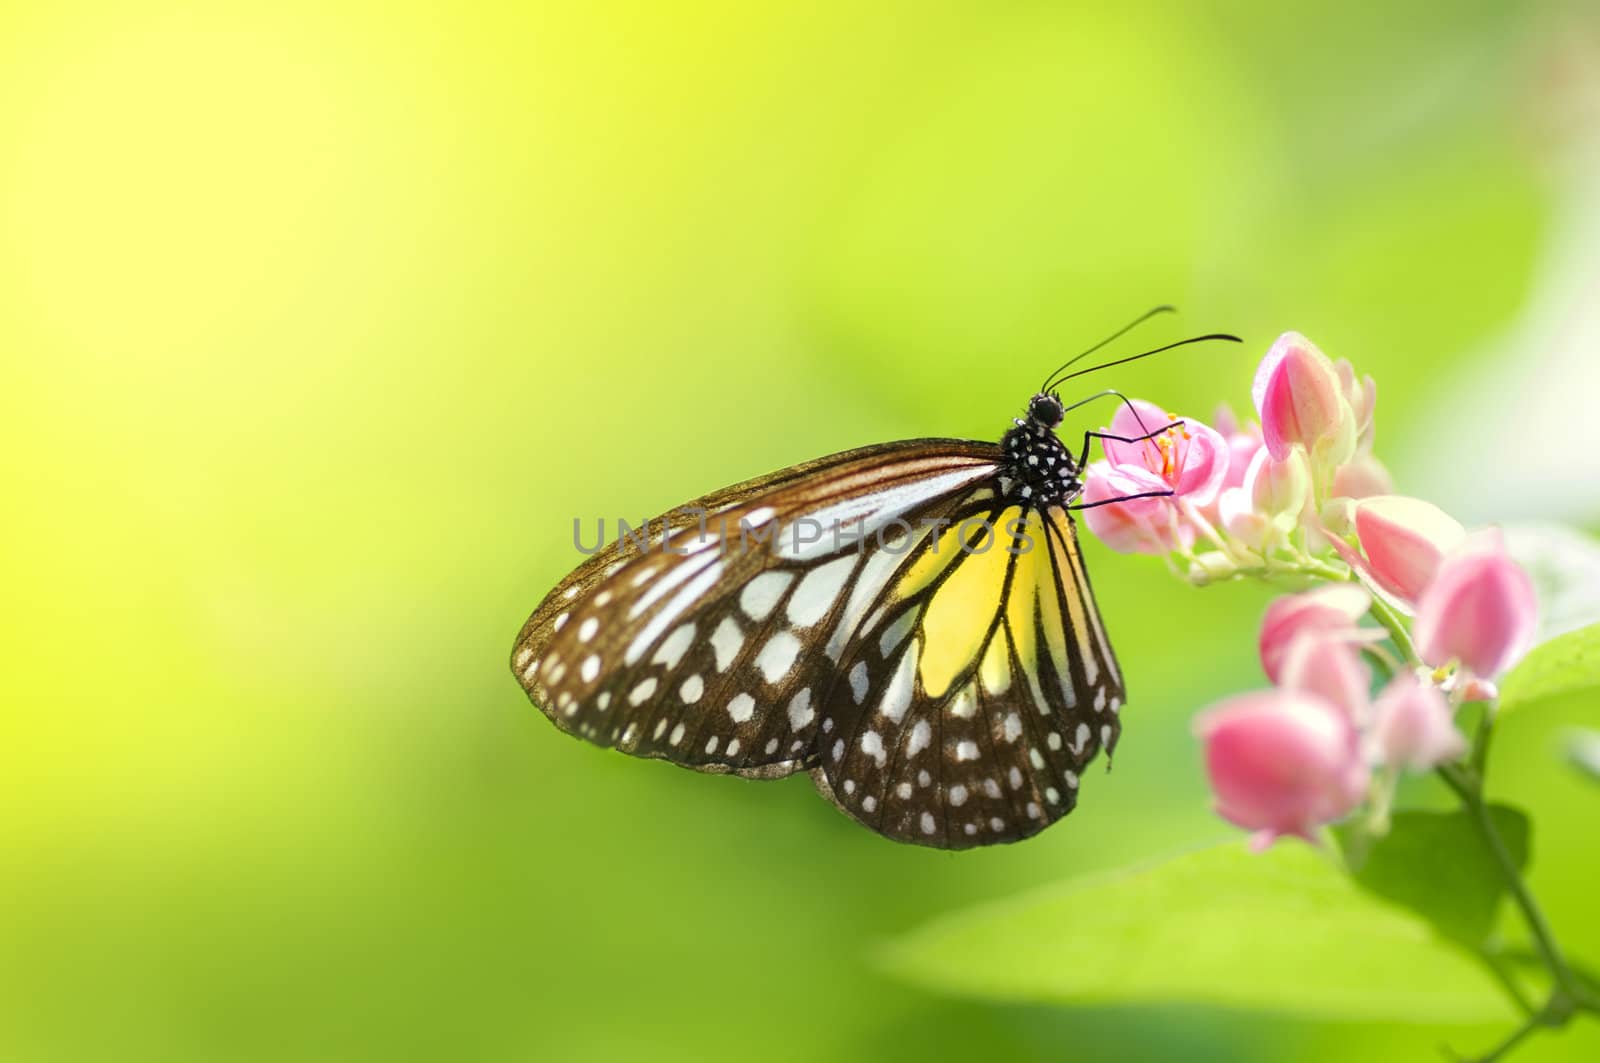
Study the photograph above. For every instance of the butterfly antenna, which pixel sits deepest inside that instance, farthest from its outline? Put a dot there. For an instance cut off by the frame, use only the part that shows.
(1145, 354)
(1141, 319)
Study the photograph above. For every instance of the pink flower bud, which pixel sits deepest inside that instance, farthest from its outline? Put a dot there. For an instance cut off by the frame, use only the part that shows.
(1362, 477)
(1301, 400)
(1281, 763)
(1240, 519)
(1413, 725)
(1362, 395)
(1279, 488)
(1479, 609)
(1404, 540)
(1329, 664)
(1333, 609)
(1139, 526)
(1191, 459)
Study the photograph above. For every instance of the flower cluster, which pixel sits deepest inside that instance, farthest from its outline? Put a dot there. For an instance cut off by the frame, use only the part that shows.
(1298, 496)
(1252, 496)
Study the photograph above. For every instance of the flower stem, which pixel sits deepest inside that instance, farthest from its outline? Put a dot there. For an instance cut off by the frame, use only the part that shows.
(1569, 994)
(1516, 1037)
(1468, 787)
(1384, 614)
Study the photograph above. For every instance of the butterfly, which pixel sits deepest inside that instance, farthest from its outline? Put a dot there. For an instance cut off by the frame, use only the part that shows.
(912, 623)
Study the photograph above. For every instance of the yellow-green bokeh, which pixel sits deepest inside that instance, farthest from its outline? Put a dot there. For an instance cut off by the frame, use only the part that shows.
(321, 322)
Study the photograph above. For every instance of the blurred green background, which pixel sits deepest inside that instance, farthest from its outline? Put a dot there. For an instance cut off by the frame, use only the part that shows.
(321, 322)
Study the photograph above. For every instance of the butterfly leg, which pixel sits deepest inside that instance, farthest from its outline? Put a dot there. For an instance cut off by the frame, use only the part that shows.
(1083, 455)
(1124, 498)
(1083, 458)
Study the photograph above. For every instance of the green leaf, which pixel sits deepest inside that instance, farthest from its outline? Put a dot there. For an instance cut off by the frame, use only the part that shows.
(1564, 564)
(1583, 751)
(1566, 664)
(1284, 931)
(1436, 864)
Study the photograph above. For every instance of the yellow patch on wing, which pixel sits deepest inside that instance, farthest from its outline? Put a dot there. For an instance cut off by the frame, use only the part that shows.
(963, 609)
(1025, 587)
(925, 569)
(995, 671)
(1070, 563)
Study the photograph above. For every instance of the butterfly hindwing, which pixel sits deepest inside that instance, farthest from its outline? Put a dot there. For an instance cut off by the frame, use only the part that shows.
(971, 700)
(712, 651)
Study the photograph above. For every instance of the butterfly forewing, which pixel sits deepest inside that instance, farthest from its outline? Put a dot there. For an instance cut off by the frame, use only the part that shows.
(714, 650)
(967, 707)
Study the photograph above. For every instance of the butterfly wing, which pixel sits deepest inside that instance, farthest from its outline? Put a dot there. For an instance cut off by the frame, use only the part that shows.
(977, 690)
(713, 640)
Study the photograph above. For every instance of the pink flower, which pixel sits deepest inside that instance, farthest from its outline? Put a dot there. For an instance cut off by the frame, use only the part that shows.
(1243, 441)
(1413, 725)
(1139, 526)
(1191, 459)
(1281, 763)
(1329, 664)
(1332, 610)
(1404, 540)
(1301, 401)
(1479, 609)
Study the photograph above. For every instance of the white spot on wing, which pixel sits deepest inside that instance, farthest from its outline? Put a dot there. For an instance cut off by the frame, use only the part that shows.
(921, 735)
(762, 593)
(674, 646)
(966, 750)
(818, 590)
(896, 631)
(741, 707)
(778, 656)
(691, 689)
(640, 693)
(897, 694)
(726, 641)
(872, 746)
(858, 681)
(800, 711)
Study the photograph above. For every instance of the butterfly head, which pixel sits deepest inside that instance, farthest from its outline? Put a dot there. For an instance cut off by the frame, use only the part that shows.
(1038, 468)
(1045, 410)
